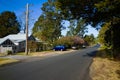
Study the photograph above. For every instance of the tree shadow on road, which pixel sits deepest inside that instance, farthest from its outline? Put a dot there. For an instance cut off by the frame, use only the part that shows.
(90, 54)
(104, 53)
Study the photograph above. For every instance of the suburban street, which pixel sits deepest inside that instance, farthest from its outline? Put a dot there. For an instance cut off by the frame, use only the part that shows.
(70, 66)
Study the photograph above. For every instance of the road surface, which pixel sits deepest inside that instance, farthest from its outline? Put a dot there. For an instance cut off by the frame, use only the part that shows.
(71, 66)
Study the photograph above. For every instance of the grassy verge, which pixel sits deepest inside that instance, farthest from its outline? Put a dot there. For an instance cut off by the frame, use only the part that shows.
(104, 68)
(41, 52)
(6, 61)
(1, 54)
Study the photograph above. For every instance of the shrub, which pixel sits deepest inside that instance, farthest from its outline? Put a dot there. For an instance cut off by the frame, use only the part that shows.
(9, 52)
(32, 46)
(70, 41)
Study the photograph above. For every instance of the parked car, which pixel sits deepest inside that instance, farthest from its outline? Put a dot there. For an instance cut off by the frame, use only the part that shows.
(59, 48)
(83, 46)
(74, 47)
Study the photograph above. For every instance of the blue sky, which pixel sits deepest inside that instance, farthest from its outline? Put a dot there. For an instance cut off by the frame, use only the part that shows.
(19, 7)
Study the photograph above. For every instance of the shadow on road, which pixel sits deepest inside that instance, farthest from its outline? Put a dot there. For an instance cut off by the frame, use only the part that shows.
(91, 54)
(104, 53)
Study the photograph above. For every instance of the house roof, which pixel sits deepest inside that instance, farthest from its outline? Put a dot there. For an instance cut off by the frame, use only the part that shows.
(3, 40)
(15, 38)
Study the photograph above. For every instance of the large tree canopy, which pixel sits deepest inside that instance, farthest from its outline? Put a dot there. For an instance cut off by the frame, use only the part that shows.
(75, 9)
(48, 27)
(8, 24)
(94, 11)
(77, 28)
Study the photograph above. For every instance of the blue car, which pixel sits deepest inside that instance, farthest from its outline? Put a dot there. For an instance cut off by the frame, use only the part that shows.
(59, 48)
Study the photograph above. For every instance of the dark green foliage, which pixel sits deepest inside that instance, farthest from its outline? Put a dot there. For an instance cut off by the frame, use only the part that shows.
(116, 37)
(90, 39)
(96, 12)
(109, 36)
(74, 9)
(70, 41)
(8, 24)
(67, 41)
(77, 28)
(32, 46)
(9, 52)
(48, 27)
(103, 38)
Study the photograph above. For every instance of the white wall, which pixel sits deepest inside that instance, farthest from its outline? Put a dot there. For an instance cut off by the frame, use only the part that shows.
(5, 49)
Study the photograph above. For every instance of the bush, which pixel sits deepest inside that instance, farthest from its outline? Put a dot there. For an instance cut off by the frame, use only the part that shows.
(70, 41)
(32, 46)
(9, 52)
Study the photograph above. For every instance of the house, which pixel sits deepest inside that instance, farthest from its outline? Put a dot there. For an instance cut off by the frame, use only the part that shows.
(14, 42)
(6, 45)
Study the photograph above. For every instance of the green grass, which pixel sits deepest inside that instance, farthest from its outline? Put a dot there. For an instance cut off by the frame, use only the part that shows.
(31, 53)
(5, 61)
(3, 54)
(20, 53)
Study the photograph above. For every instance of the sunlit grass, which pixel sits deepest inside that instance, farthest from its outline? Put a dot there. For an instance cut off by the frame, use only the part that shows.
(4, 61)
(3, 54)
(104, 67)
(20, 53)
(32, 53)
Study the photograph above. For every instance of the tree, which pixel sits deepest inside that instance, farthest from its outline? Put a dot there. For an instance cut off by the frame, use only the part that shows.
(70, 41)
(111, 14)
(8, 24)
(77, 28)
(32, 46)
(105, 35)
(67, 41)
(95, 12)
(75, 9)
(48, 27)
(90, 39)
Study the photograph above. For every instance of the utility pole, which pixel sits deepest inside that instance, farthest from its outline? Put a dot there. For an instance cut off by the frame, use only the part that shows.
(27, 16)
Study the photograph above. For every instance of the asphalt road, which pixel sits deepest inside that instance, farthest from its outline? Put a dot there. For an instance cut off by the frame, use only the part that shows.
(71, 66)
